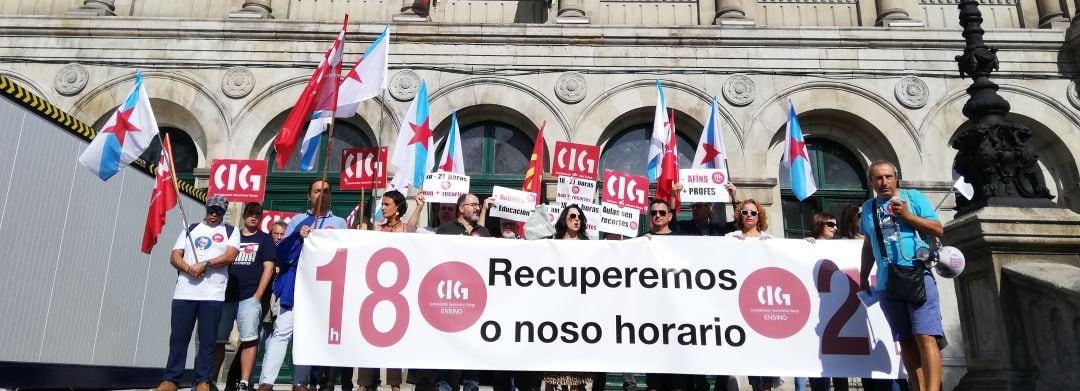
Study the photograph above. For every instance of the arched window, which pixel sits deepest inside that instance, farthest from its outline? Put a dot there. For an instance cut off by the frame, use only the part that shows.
(185, 153)
(495, 150)
(840, 180)
(629, 150)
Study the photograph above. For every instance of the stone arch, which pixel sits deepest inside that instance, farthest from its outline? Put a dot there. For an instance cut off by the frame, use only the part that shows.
(1056, 133)
(878, 130)
(177, 100)
(29, 84)
(691, 105)
(260, 119)
(489, 112)
(528, 106)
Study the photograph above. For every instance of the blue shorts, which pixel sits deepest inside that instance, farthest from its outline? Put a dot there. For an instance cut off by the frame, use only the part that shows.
(246, 313)
(906, 319)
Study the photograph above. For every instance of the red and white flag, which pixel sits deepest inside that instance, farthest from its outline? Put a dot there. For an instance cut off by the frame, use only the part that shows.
(669, 174)
(161, 200)
(316, 104)
(367, 79)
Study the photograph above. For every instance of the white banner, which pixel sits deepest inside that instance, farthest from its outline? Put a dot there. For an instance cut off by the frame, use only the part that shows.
(512, 204)
(592, 217)
(575, 191)
(445, 187)
(619, 220)
(703, 185)
(662, 305)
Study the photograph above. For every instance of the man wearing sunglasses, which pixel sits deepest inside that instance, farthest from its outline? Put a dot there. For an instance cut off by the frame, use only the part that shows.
(200, 290)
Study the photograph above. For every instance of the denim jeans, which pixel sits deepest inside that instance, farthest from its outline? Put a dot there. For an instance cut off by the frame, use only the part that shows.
(185, 315)
(276, 347)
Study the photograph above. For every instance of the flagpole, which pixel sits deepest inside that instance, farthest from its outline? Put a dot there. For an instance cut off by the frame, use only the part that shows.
(166, 147)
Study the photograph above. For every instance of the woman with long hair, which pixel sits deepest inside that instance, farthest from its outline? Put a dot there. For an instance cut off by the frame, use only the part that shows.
(850, 221)
(571, 225)
(751, 221)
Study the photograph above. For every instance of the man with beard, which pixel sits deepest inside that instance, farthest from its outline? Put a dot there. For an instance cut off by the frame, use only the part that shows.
(468, 218)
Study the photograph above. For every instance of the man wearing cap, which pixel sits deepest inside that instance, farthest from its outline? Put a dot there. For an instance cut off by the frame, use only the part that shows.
(200, 291)
(288, 254)
(249, 277)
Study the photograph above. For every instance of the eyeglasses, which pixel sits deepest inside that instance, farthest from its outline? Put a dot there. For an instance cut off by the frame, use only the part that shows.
(749, 213)
(572, 216)
(660, 213)
(215, 210)
(830, 224)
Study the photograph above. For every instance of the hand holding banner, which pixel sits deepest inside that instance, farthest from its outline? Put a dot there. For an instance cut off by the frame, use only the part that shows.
(704, 185)
(445, 186)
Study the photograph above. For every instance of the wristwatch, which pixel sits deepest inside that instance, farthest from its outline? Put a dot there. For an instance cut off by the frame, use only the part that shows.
(207, 264)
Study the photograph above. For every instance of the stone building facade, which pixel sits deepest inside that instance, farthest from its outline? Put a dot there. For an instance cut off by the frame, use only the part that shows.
(870, 79)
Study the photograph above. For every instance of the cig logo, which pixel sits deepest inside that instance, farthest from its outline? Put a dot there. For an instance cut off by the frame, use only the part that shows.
(450, 289)
(771, 295)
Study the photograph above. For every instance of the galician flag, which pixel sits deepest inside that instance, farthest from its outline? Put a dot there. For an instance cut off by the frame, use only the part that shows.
(796, 160)
(367, 79)
(162, 199)
(710, 149)
(413, 155)
(124, 137)
(659, 135)
(317, 103)
(452, 160)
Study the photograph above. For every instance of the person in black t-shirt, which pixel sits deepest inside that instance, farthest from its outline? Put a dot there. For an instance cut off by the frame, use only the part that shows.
(467, 220)
(660, 215)
(249, 279)
(701, 223)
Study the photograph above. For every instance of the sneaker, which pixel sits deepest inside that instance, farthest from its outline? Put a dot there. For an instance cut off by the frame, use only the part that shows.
(242, 386)
(266, 387)
(166, 386)
(202, 386)
(299, 388)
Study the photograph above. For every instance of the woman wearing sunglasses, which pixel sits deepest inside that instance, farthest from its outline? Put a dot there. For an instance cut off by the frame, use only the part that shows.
(751, 221)
(849, 222)
(823, 227)
(571, 225)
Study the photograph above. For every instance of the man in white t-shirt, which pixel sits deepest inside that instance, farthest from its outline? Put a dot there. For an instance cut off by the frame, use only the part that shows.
(200, 290)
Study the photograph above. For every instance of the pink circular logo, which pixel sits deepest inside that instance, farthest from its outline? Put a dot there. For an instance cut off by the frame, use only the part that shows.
(718, 177)
(248, 250)
(446, 185)
(633, 225)
(774, 302)
(575, 189)
(452, 297)
(218, 238)
(531, 197)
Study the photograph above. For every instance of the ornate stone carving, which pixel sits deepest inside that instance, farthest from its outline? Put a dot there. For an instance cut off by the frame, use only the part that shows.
(1073, 94)
(912, 92)
(237, 82)
(404, 84)
(71, 79)
(571, 87)
(739, 90)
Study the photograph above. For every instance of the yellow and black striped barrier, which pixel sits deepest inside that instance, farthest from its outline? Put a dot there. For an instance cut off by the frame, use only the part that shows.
(47, 110)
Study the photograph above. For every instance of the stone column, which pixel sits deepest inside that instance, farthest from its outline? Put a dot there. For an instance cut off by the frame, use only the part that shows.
(94, 8)
(894, 13)
(731, 13)
(413, 11)
(253, 9)
(571, 11)
(1051, 15)
(1001, 343)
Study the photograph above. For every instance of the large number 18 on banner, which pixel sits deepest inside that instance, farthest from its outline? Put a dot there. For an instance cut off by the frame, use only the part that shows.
(667, 305)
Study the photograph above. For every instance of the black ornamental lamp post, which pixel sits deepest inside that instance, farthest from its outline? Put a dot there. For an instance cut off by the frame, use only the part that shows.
(994, 155)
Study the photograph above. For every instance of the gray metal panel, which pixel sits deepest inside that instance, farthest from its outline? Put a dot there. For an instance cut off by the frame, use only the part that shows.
(78, 290)
(29, 231)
